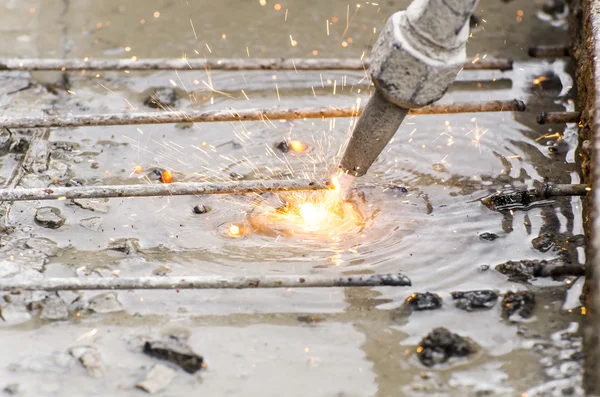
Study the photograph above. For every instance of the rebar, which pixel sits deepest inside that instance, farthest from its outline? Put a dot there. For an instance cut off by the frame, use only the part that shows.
(523, 199)
(205, 282)
(558, 117)
(549, 51)
(306, 64)
(160, 189)
(195, 116)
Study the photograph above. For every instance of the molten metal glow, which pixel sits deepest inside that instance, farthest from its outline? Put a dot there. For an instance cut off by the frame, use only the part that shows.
(298, 146)
(234, 230)
(166, 177)
(315, 213)
(137, 169)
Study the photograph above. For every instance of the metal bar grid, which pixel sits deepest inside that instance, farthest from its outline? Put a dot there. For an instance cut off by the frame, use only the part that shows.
(302, 64)
(210, 116)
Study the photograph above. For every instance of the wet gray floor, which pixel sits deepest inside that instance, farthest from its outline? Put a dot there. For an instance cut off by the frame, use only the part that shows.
(354, 342)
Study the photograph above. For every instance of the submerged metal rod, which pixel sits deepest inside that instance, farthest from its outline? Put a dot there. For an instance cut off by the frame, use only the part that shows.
(549, 51)
(558, 117)
(195, 116)
(524, 199)
(305, 64)
(159, 189)
(205, 282)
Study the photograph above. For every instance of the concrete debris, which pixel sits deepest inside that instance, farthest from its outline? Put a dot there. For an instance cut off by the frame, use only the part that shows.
(176, 352)
(94, 224)
(96, 205)
(162, 270)
(157, 379)
(129, 246)
(201, 209)
(90, 358)
(440, 345)
(11, 389)
(520, 302)
(49, 217)
(105, 303)
(470, 300)
(54, 308)
(43, 245)
(162, 98)
(37, 158)
(14, 313)
(424, 301)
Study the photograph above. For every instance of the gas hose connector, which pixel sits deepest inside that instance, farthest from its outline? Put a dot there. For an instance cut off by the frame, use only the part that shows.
(421, 50)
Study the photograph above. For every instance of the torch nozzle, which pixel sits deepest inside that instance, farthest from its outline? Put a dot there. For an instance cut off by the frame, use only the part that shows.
(376, 126)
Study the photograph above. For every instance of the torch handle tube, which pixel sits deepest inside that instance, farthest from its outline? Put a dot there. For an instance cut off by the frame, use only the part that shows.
(374, 129)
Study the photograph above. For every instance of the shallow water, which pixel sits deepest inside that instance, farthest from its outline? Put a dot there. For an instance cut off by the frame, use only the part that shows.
(251, 339)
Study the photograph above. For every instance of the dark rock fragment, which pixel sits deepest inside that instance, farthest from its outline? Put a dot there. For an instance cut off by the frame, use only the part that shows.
(544, 242)
(155, 174)
(200, 209)
(525, 270)
(424, 301)
(509, 200)
(520, 302)
(11, 389)
(176, 352)
(162, 98)
(283, 146)
(469, 300)
(440, 345)
(488, 236)
(310, 319)
(49, 217)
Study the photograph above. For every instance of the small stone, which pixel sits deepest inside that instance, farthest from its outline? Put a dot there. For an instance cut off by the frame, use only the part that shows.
(43, 245)
(105, 303)
(484, 268)
(5, 141)
(440, 345)
(200, 209)
(96, 205)
(19, 145)
(157, 379)
(49, 217)
(90, 358)
(155, 174)
(520, 302)
(283, 146)
(129, 246)
(424, 301)
(488, 236)
(544, 242)
(176, 352)
(54, 308)
(311, 319)
(11, 388)
(162, 270)
(162, 98)
(236, 177)
(469, 300)
(94, 224)
(73, 183)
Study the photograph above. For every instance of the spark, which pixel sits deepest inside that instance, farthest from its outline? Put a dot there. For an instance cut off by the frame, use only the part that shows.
(194, 30)
(234, 231)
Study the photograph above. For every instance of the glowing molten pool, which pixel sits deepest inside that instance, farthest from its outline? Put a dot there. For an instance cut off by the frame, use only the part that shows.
(320, 213)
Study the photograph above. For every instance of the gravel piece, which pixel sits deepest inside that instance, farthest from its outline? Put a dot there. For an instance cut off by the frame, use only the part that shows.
(440, 345)
(469, 300)
(49, 217)
(105, 303)
(129, 246)
(54, 308)
(176, 352)
(200, 209)
(162, 98)
(157, 379)
(424, 301)
(488, 236)
(544, 242)
(96, 205)
(520, 302)
(94, 224)
(43, 245)
(90, 358)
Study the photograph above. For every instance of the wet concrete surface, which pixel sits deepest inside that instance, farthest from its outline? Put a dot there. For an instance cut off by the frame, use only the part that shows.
(334, 342)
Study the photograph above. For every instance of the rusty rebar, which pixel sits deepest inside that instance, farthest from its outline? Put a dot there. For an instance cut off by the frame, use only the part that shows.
(205, 282)
(558, 117)
(305, 64)
(160, 189)
(523, 199)
(549, 51)
(196, 116)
